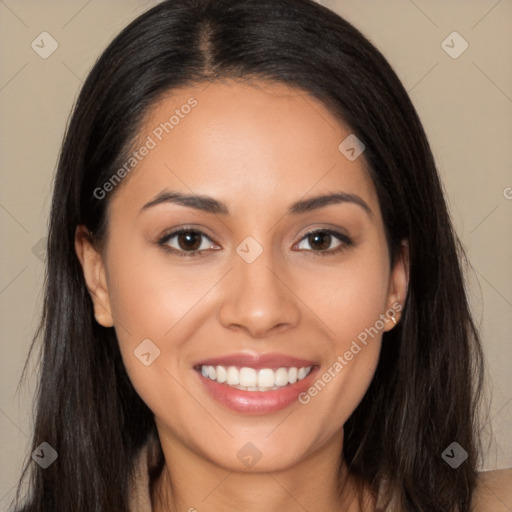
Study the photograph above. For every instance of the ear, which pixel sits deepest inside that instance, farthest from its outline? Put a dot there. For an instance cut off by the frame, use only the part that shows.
(95, 276)
(398, 286)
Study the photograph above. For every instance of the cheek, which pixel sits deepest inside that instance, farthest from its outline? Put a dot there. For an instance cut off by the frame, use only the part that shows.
(351, 296)
(152, 300)
(149, 295)
(350, 307)
(157, 297)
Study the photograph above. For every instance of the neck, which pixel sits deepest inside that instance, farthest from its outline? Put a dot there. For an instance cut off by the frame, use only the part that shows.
(318, 483)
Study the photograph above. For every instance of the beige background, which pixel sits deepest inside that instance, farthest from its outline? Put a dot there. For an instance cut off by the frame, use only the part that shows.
(465, 105)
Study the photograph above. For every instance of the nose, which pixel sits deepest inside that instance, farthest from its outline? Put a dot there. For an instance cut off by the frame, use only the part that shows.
(258, 298)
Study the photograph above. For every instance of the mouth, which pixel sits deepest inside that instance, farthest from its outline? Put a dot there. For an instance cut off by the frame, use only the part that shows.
(252, 379)
(255, 384)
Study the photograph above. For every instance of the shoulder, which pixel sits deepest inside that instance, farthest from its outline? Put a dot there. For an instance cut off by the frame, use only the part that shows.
(493, 491)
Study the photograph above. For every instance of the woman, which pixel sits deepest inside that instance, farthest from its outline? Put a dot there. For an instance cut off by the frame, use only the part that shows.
(254, 297)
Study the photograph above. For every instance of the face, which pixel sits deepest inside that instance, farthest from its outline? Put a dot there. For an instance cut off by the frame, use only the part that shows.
(264, 289)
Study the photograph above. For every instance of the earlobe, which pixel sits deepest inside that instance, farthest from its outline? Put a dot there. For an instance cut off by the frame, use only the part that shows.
(94, 275)
(398, 286)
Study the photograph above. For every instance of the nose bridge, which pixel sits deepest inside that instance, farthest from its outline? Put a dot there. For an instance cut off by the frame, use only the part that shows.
(257, 298)
(259, 277)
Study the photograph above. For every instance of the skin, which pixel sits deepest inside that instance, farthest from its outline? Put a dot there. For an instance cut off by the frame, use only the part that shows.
(257, 148)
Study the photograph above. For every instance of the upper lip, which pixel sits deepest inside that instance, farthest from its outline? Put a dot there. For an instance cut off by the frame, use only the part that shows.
(257, 361)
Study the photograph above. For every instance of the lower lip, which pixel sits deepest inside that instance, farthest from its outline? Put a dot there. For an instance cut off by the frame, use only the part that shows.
(257, 402)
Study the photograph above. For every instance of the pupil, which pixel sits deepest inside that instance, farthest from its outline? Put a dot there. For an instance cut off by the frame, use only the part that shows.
(186, 241)
(314, 238)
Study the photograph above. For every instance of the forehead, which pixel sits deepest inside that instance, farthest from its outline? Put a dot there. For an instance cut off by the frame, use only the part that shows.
(230, 138)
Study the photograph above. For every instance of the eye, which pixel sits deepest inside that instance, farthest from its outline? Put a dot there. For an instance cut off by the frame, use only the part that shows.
(321, 241)
(192, 242)
(186, 242)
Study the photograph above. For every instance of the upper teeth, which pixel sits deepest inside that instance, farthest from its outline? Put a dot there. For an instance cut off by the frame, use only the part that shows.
(250, 379)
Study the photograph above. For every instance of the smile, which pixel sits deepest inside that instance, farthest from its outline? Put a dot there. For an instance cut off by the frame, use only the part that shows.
(252, 379)
(251, 383)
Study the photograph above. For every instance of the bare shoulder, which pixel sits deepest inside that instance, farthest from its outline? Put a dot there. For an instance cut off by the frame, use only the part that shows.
(493, 491)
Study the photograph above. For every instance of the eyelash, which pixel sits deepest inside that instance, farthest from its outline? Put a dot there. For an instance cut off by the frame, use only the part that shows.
(346, 242)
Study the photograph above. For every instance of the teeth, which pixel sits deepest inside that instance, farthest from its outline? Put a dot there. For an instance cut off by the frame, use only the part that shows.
(222, 374)
(233, 376)
(250, 379)
(300, 376)
(279, 378)
(266, 378)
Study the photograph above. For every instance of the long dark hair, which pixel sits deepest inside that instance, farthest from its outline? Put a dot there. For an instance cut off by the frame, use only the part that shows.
(425, 392)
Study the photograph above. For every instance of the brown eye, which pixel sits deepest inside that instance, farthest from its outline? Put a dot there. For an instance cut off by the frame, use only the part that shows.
(187, 242)
(321, 241)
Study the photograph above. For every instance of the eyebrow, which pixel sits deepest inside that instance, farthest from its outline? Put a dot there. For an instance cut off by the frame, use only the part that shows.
(210, 205)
